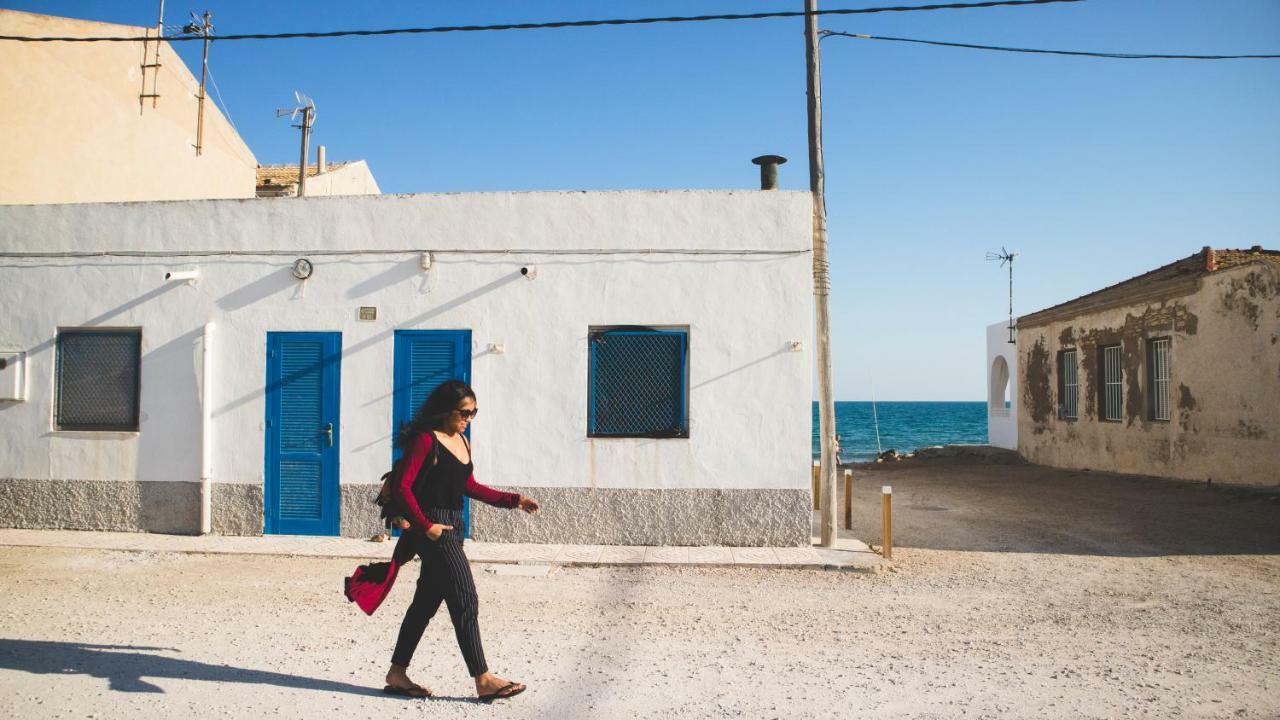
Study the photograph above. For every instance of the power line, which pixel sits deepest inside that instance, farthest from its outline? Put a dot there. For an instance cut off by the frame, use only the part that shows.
(225, 110)
(73, 254)
(550, 25)
(1075, 53)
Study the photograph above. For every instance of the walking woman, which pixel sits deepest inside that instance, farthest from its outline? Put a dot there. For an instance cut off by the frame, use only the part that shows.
(432, 494)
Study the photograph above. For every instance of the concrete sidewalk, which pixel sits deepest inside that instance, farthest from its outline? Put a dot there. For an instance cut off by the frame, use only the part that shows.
(850, 554)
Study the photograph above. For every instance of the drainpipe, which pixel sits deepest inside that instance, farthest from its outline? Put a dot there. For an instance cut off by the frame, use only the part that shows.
(206, 433)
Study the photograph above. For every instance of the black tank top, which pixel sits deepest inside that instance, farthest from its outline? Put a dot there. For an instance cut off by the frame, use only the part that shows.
(443, 485)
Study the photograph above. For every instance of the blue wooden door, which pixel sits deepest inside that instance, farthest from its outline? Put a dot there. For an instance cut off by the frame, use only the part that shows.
(301, 495)
(423, 360)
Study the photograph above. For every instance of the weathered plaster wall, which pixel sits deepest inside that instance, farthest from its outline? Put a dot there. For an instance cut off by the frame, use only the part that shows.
(1225, 385)
(75, 132)
(749, 393)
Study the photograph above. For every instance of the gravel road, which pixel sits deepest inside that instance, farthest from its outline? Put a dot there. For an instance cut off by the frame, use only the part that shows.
(1065, 625)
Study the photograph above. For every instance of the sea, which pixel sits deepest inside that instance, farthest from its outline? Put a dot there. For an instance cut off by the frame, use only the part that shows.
(904, 426)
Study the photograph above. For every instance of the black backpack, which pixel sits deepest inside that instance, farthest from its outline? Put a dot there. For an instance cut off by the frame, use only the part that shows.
(387, 499)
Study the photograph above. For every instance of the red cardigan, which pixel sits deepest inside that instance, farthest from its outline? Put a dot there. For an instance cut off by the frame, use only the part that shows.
(418, 455)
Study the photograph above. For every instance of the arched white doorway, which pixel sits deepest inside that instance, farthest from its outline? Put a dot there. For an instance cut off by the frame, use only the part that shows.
(998, 387)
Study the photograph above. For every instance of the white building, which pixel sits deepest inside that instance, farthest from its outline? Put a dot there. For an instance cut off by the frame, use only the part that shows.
(1002, 378)
(641, 360)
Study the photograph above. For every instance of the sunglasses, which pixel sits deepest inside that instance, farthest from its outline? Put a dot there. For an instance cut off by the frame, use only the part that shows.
(468, 414)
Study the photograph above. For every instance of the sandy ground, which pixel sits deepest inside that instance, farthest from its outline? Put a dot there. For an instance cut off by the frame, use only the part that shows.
(1017, 592)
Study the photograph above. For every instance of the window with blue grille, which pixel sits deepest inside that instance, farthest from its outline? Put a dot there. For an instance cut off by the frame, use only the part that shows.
(638, 382)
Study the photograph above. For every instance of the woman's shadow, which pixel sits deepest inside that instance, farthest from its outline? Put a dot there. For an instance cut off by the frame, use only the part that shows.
(125, 666)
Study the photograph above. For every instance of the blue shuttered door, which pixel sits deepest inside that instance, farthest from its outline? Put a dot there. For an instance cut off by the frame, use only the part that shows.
(301, 495)
(423, 360)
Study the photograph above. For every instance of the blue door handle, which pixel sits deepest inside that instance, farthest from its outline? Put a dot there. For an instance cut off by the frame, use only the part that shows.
(328, 432)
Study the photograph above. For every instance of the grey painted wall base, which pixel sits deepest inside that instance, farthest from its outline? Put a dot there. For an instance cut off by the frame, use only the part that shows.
(166, 507)
(569, 515)
(608, 516)
(359, 513)
(237, 509)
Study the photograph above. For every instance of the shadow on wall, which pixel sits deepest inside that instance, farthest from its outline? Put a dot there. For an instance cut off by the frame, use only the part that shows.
(348, 351)
(274, 282)
(982, 507)
(169, 446)
(124, 667)
(113, 312)
(397, 273)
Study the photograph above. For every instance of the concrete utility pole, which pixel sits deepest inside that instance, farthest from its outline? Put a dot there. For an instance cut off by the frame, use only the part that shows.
(821, 281)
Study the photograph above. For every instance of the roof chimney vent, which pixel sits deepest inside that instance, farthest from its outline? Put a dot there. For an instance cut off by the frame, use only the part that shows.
(1210, 258)
(320, 163)
(769, 170)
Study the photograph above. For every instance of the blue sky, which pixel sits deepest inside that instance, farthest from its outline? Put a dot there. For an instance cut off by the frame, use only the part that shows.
(1094, 170)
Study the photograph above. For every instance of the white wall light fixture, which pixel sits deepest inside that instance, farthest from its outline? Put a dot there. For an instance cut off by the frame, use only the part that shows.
(13, 380)
(529, 272)
(425, 261)
(795, 346)
(497, 348)
(188, 276)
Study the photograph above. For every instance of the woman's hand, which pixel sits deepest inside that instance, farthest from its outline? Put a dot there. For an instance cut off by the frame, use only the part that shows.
(528, 505)
(436, 530)
(401, 523)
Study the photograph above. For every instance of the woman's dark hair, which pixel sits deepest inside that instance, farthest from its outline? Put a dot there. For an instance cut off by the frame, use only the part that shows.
(442, 401)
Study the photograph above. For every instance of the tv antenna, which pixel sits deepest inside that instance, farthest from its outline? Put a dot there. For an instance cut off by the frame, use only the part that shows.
(306, 107)
(1006, 258)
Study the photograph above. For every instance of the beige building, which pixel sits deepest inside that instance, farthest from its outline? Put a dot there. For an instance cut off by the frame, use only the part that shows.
(77, 127)
(116, 122)
(323, 178)
(1174, 373)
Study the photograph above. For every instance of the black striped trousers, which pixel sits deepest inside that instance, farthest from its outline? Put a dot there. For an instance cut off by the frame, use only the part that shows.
(445, 576)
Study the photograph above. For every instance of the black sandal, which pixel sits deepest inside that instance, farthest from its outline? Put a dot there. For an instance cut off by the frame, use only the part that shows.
(502, 692)
(416, 691)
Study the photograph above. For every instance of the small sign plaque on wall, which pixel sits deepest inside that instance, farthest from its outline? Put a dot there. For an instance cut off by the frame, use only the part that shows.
(368, 313)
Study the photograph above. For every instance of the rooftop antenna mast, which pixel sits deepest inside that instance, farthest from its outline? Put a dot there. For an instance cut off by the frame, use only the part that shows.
(306, 107)
(201, 27)
(1006, 258)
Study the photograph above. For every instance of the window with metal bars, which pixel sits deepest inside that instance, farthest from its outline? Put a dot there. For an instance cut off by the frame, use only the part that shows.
(638, 384)
(1112, 395)
(98, 379)
(1158, 362)
(1068, 385)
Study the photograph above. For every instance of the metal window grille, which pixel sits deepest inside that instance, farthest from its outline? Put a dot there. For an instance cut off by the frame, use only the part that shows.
(1159, 361)
(1113, 389)
(98, 381)
(637, 385)
(1069, 404)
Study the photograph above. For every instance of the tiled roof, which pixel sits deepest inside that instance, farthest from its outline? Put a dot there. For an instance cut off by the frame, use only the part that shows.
(1177, 278)
(275, 175)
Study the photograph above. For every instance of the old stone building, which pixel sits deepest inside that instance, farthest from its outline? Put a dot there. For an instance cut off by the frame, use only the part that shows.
(1175, 372)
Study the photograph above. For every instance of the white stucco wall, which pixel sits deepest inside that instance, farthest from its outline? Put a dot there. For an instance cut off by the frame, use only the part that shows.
(749, 394)
(353, 178)
(1002, 422)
